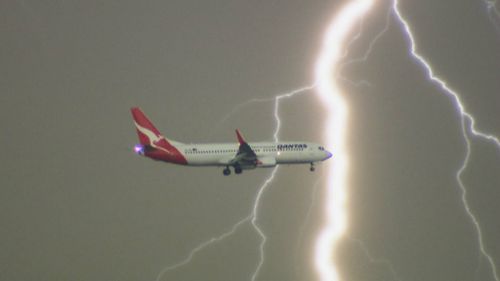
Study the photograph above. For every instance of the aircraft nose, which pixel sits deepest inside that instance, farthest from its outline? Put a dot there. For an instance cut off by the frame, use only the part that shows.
(328, 155)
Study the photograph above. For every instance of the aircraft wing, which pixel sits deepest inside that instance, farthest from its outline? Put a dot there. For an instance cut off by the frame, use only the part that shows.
(245, 156)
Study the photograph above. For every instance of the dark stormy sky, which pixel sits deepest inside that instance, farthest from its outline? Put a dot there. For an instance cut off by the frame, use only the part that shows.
(77, 204)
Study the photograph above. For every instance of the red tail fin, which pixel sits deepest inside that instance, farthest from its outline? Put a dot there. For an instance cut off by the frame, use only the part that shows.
(159, 147)
(241, 140)
(147, 132)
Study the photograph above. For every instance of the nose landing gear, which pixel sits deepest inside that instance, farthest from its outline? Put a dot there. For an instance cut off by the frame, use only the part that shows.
(226, 171)
(312, 168)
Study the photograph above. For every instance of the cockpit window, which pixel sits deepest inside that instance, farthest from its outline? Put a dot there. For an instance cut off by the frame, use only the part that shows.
(321, 148)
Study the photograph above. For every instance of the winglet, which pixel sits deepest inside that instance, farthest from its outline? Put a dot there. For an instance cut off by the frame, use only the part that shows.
(241, 140)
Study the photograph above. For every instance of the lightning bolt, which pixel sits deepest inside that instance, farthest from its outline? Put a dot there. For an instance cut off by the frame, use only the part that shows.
(467, 122)
(270, 179)
(202, 246)
(493, 13)
(366, 54)
(336, 122)
(276, 99)
(330, 93)
(373, 260)
(308, 213)
(252, 218)
(328, 69)
(263, 237)
(372, 43)
(305, 223)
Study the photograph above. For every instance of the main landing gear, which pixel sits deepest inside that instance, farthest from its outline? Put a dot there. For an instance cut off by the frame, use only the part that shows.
(227, 171)
(237, 170)
(312, 168)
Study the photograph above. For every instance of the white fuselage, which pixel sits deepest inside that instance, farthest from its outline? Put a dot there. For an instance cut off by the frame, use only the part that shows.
(239, 155)
(268, 153)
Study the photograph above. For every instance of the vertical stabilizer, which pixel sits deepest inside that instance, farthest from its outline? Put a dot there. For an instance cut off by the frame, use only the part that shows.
(153, 144)
(146, 131)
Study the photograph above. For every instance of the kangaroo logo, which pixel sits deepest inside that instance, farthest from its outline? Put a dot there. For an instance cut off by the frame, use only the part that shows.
(153, 138)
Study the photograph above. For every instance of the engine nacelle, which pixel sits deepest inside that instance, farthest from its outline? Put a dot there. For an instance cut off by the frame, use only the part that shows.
(266, 162)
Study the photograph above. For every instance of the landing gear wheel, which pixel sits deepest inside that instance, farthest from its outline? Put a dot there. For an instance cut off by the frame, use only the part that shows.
(226, 171)
(312, 168)
(237, 170)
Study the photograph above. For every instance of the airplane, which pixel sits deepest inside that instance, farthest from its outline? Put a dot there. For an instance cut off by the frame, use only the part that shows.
(240, 156)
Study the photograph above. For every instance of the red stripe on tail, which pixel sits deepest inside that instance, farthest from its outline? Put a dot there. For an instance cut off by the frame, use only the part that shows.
(150, 136)
(241, 140)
